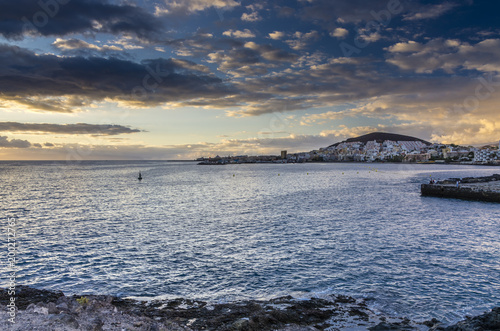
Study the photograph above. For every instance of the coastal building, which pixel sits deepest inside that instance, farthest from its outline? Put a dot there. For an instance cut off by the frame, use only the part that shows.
(417, 157)
(486, 156)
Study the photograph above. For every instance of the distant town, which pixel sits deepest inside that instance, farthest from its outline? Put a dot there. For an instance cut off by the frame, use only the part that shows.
(376, 147)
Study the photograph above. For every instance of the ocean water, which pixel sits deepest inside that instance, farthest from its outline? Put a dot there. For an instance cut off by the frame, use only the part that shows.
(225, 233)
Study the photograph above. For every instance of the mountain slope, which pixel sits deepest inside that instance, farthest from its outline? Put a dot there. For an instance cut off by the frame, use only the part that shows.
(381, 137)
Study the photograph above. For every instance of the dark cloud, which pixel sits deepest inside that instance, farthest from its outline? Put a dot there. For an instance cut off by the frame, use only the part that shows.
(64, 17)
(430, 11)
(79, 128)
(13, 143)
(339, 12)
(272, 53)
(52, 83)
(345, 11)
(449, 55)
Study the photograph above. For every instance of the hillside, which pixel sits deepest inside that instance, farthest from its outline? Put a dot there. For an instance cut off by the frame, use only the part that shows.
(381, 137)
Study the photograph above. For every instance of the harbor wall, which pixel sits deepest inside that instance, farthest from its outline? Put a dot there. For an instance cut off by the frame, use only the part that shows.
(467, 193)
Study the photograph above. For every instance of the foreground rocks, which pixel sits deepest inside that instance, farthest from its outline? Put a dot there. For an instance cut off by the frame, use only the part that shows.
(51, 310)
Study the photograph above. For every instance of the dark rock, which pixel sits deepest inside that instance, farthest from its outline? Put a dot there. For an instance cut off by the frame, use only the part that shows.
(344, 299)
(384, 326)
(26, 295)
(361, 314)
(285, 313)
(485, 322)
(431, 323)
(68, 320)
(96, 324)
(240, 325)
(52, 308)
(63, 306)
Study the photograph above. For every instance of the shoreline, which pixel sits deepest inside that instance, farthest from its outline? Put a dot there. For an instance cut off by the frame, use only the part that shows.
(40, 309)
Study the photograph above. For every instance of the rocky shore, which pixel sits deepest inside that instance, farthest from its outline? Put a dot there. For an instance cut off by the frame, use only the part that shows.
(51, 310)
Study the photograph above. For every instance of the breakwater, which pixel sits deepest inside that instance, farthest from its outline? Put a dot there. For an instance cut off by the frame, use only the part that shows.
(471, 188)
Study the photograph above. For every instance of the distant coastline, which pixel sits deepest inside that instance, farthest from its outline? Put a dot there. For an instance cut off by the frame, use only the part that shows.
(208, 162)
(377, 147)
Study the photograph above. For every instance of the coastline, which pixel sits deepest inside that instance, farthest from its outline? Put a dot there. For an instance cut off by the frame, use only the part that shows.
(356, 162)
(40, 309)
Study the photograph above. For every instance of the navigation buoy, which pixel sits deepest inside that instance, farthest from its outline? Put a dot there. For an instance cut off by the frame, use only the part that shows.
(140, 176)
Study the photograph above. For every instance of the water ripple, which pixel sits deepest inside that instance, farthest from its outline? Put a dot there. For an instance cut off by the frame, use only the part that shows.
(201, 232)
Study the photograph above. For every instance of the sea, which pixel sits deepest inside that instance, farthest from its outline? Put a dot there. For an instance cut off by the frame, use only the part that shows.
(254, 231)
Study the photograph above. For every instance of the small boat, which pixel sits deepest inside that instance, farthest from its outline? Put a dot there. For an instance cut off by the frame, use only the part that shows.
(140, 176)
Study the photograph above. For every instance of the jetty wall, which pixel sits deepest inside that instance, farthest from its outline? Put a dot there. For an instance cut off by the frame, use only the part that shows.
(467, 193)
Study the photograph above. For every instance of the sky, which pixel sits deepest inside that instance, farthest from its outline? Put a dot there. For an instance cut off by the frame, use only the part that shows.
(173, 79)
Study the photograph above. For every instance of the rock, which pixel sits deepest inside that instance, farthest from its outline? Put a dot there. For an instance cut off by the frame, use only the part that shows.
(96, 324)
(240, 325)
(384, 326)
(431, 323)
(68, 320)
(63, 306)
(299, 328)
(41, 310)
(52, 308)
(31, 307)
(26, 295)
(53, 311)
(487, 321)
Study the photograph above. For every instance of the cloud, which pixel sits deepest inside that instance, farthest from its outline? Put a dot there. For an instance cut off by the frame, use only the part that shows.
(340, 33)
(13, 143)
(302, 40)
(63, 84)
(239, 34)
(251, 17)
(345, 11)
(200, 44)
(446, 54)
(23, 17)
(276, 35)
(406, 47)
(368, 36)
(80, 46)
(285, 11)
(430, 11)
(271, 53)
(268, 144)
(78, 128)
(190, 6)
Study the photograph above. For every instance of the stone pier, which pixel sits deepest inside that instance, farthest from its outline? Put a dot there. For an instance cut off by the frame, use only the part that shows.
(470, 188)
